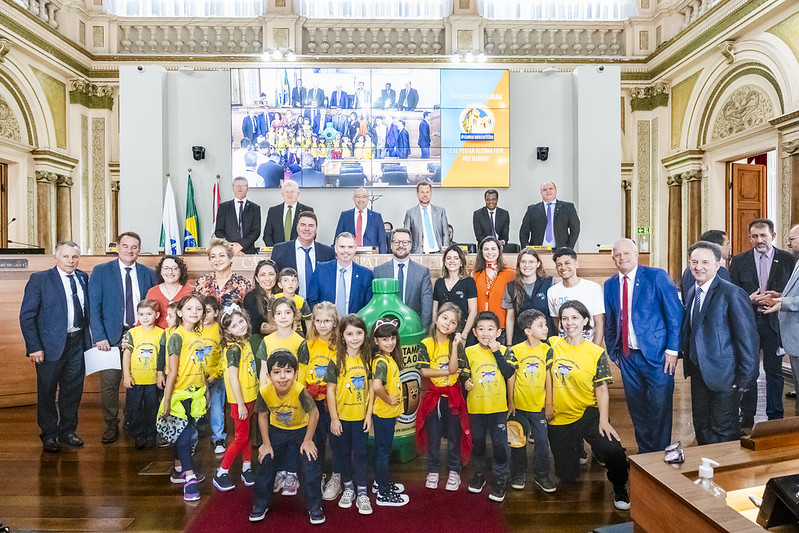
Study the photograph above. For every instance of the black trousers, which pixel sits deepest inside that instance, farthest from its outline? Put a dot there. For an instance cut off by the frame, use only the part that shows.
(65, 377)
(715, 414)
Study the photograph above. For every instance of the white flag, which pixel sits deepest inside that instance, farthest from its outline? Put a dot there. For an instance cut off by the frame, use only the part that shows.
(170, 231)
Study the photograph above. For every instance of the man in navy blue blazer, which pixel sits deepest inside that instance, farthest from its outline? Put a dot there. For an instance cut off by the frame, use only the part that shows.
(719, 237)
(720, 345)
(342, 282)
(304, 253)
(115, 289)
(54, 322)
(642, 335)
(371, 231)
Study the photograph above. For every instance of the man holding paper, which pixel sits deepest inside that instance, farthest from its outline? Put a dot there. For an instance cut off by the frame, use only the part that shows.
(54, 319)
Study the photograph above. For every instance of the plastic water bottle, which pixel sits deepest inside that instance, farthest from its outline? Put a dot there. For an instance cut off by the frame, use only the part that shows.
(705, 479)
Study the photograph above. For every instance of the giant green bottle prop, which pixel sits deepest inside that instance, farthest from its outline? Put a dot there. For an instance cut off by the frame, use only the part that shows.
(386, 305)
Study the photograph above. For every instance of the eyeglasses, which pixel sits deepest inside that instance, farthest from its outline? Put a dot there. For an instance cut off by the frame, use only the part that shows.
(169, 269)
(401, 243)
(324, 321)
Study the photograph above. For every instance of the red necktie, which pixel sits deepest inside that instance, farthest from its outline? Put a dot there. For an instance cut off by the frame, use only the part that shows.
(625, 321)
(359, 229)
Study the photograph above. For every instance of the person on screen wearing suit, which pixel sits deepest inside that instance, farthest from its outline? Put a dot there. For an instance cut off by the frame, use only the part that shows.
(306, 176)
(316, 95)
(392, 137)
(763, 268)
(551, 222)
(115, 289)
(54, 323)
(403, 141)
(408, 98)
(339, 98)
(250, 128)
(426, 222)
(363, 97)
(642, 335)
(239, 220)
(388, 97)
(271, 172)
(304, 253)
(424, 135)
(341, 282)
(365, 224)
(264, 119)
(416, 289)
(298, 94)
(281, 219)
(491, 221)
(719, 347)
(716, 236)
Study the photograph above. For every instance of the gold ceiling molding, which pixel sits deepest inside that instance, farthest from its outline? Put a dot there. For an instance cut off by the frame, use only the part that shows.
(650, 97)
(91, 95)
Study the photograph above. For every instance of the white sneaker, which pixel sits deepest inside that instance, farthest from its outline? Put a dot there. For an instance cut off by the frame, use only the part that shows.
(432, 481)
(363, 504)
(290, 484)
(280, 478)
(333, 488)
(345, 502)
(396, 487)
(391, 499)
(453, 481)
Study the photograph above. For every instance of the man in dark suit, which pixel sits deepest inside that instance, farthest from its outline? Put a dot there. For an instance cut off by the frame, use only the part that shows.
(298, 94)
(388, 97)
(115, 290)
(317, 95)
(250, 128)
(304, 253)
(342, 282)
(365, 224)
(239, 220)
(392, 137)
(263, 119)
(416, 289)
(761, 269)
(642, 335)
(54, 322)
(408, 98)
(491, 221)
(719, 347)
(306, 176)
(424, 135)
(318, 118)
(339, 98)
(551, 222)
(272, 172)
(403, 141)
(281, 219)
(715, 236)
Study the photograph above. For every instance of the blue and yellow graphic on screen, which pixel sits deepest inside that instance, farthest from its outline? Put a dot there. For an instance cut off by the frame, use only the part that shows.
(475, 128)
(190, 234)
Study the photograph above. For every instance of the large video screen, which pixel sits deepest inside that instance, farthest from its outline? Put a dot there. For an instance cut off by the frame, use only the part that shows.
(370, 127)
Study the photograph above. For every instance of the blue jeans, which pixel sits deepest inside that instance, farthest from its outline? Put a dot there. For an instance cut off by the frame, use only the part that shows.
(321, 436)
(216, 409)
(287, 442)
(143, 402)
(384, 442)
(482, 426)
(441, 422)
(350, 448)
(182, 446)
(518, 456)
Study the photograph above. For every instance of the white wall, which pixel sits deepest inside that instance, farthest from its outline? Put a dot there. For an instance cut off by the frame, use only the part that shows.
(157, 136)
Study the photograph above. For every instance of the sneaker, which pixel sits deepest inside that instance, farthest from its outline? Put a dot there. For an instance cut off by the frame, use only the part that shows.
(432, 481)
(497, 493)
(290, 484)
(545, 483)
(317, 517)
(223, 482)
(258, 512)
(363, 504)
(248, 477)
(332, 488)
(161, 442)
(453, 481)
(191, 491)
(583, 457)
(517, 482)
(219, 447)
(177, 477)
(280, 478)
(345, 502)
(477, 484)
(598, 460)
(390, 498)
(621, 500)
(396, 487)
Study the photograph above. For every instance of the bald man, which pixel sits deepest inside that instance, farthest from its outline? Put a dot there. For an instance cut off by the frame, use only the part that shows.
(366, 225)
(281, 219)
(551, 222)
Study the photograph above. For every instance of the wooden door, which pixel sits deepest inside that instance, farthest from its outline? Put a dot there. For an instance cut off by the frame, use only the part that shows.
(747, 202)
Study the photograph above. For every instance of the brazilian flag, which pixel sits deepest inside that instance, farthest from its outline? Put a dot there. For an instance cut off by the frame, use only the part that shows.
(286, 88)
(190, 239)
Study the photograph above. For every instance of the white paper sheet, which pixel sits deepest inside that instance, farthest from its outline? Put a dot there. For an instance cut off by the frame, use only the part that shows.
(97, 360)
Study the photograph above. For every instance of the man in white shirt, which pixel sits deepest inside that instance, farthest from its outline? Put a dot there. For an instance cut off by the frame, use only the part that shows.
(303, 253)
(427, 223)
(281, 219)
(380, 138)
(551, 222)
(239, 220)
(342, 282)
(416, 289)
(573, 287)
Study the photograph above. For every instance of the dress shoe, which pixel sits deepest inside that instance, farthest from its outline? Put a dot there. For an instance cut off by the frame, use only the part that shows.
(50, 445)
(111, 434)
(72, 439)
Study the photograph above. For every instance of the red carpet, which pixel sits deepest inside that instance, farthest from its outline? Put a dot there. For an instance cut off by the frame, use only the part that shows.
(439, 510)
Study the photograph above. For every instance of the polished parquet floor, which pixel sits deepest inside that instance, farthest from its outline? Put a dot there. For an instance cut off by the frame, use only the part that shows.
(117, 488)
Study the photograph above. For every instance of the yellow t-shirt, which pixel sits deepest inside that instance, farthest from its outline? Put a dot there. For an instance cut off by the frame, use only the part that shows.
(164, 338)
(352, 388)
(214, 362)
(386, 370)
(314, 356)
(576, 371)
(191, 349)
(531, 375)
(241, 357)
(435, 355)
(289, 412)
(271, 343)
(144, 346)
(489, 394)
(303, 311)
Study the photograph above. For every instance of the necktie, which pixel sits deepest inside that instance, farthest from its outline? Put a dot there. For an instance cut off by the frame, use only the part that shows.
(130, 315)
(401, 279)
(254, 127)
(625, 320)
(341, 294)
(287, 222)
(359, 229)
(694, 322)
(763, 272)
(428, 229)
(493, 225)
(241, 216)
(549, 235)
(77, 321)
(308, 268)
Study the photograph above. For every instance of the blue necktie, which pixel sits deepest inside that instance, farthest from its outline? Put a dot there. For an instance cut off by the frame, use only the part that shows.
(401, 279)
(428, 228)
(130, 314)
(341, 294)
(549, 235)
(308, 268)
(77, 321)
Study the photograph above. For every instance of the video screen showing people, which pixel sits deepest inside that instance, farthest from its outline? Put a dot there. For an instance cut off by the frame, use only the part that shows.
(336, 127)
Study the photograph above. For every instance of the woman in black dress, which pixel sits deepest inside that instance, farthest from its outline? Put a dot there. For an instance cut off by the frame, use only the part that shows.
(456, 286)
(258, 301)
(527, 291)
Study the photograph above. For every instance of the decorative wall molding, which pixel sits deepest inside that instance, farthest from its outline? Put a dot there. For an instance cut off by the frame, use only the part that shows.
(791, 147)
(5, 48)
(691, 175)
(190, 36)
(9, 125)
(747, 107)
(98, 185)
(91, 95)
(554, 38)
(373, 37)
(726, 49)
(674, 180)
(643, 197)
(53, 161)
(650, 97)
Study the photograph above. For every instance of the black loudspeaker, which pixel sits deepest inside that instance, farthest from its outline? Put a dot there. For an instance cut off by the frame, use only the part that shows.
(198, 152)
(542, 153)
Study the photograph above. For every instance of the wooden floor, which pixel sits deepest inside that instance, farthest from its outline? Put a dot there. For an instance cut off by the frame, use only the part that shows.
(117, 488)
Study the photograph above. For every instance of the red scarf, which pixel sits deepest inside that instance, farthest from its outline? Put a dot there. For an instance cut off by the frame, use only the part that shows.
(457, 405)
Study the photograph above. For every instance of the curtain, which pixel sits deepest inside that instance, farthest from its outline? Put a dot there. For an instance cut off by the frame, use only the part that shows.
(185, 8)
(557, 9)
(374, 9)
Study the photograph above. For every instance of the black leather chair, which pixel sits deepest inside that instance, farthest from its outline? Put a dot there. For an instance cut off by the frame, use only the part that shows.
(395, 177)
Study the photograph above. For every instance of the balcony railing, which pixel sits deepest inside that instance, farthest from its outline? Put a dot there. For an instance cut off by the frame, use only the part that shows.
(175, 36)
(375, 37)
(511, 38)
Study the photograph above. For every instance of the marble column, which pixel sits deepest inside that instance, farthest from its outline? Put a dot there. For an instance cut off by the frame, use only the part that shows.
(626, 187)
(675, 249)
(115, 208)
(694, 222)
(790, 163)
(45, 209)
(63, 209)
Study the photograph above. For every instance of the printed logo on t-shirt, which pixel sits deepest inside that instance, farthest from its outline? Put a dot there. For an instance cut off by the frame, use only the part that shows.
(144, 355)
(564, 368)
(251, 370)
(531, 368)
(284, 416)
(319, 371)
(199, 355)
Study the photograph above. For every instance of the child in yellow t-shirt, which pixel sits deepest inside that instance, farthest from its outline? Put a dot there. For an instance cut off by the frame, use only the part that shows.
(172, 325)
(214, 369)
(139, 361)
(289, 281)
(527, 405)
